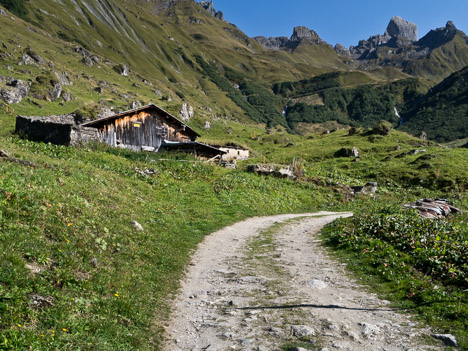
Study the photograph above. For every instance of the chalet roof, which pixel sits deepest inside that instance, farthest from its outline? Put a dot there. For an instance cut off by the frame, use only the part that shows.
(103, 120)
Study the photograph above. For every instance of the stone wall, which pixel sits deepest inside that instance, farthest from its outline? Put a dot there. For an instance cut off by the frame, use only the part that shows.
(60, 130)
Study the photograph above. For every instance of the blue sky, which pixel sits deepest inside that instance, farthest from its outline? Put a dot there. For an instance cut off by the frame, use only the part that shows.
(340, 21)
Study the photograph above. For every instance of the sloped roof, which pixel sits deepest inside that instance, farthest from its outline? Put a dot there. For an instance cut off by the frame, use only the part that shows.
(101, 121)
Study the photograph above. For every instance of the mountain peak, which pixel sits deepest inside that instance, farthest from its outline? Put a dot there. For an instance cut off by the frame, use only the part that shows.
(208, 6)
(399, 27)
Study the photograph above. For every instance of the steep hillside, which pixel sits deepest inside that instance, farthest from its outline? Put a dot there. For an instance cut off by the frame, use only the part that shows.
(101, 56)
(443, 113)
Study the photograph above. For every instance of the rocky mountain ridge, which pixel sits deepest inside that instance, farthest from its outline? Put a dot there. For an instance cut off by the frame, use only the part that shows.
(301, 35)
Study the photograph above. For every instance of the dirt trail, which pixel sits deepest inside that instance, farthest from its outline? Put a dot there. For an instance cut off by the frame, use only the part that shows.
(266, 283)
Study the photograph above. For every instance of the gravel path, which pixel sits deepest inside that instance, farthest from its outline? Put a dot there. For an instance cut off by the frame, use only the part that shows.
(266, 284)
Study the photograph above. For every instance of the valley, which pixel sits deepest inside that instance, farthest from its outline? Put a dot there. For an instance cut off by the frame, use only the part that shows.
(95, 240)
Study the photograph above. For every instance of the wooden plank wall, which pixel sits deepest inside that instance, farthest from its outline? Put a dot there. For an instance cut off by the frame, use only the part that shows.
(142, 130)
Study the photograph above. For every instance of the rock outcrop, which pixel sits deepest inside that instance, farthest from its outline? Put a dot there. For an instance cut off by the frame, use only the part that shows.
(399, 27)
(14, 91)
(273, 43)
(399, 33)
(301, 35)
(208, 6)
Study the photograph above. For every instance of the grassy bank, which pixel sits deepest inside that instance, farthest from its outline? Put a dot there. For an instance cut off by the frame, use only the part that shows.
(76, 274)
(421, 265)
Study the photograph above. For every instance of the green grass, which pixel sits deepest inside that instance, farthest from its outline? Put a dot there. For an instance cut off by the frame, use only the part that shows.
(76, 205)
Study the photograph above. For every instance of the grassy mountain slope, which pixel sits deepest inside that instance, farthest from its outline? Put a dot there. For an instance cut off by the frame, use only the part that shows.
(443, 112)
(67, 240)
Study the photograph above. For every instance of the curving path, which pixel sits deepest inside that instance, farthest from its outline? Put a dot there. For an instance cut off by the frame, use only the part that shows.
(267, 282)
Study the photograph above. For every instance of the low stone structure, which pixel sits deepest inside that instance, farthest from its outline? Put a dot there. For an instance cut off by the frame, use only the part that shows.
(233, 153)
(61, 130)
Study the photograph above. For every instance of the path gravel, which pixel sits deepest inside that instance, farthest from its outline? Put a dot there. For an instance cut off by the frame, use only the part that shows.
(267, 282)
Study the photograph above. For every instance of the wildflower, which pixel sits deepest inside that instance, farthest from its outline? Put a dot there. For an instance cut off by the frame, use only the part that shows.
(65, 330)
(69, 224)
(42, 335)
(116, 295)
(67, 240)
(52, 331)
(19, 325)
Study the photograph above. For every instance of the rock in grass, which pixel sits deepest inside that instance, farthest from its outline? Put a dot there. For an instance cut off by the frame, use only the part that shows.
(137, 225)
(447, 339)
(303, 331)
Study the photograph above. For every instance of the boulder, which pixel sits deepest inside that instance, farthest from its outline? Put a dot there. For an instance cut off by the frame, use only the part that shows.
(382, 128)
(15, 91)
(207, 125)
(55, 93)
(122, 69)
(303, 331)
(184, 113)
(27, 60)
(447, 339)
(37, 58)
(347, 152)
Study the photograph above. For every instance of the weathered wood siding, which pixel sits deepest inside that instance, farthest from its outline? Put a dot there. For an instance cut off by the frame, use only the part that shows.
(142, 131)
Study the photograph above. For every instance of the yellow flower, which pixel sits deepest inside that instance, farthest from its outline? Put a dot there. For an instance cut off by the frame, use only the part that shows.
(19, 325)
(69, 224)
(52, 331)
(67, 240)
(42, 335)
(116, 295)
(64, 330)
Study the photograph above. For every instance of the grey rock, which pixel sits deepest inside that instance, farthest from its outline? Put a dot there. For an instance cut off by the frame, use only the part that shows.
(87, 61)
(3, 12)
(297, 349)
(10, 95)
(158, 93)
(37, 58)
(56, 92)
(135, 104)
(272, 43)
(122, 69)
(369, 330)
(67, 97)
(207, 125)
(27, 60)
(38, 301)
(317, 284)
(342, 51)
(137, 225)
(304, 34)
(208, 6)
(303, 331)
(184, 112)
(447, 339)
(63, 78)
(399, 27)
(301, 35)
